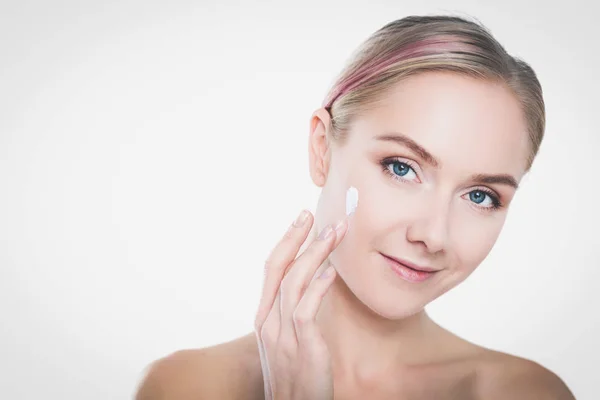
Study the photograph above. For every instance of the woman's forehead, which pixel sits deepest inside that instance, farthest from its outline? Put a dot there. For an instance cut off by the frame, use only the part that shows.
(454, 117)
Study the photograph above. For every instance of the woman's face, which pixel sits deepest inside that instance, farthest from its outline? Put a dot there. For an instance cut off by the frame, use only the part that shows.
(433, 165)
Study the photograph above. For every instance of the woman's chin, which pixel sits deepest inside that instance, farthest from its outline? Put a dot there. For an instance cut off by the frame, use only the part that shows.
(385, 301)
(393, 307)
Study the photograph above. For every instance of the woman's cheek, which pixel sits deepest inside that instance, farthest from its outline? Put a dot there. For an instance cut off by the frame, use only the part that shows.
(331, 205)
(372, 218)
(386, 206)
(473, 242)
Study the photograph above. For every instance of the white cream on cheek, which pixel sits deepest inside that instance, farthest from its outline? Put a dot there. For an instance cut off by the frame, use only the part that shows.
(351, 200)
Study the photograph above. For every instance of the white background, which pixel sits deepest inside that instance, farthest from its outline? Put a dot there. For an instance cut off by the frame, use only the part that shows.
(152, 153)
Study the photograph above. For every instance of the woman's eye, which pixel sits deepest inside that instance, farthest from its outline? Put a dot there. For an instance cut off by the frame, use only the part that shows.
(479, 197)
(401, 169)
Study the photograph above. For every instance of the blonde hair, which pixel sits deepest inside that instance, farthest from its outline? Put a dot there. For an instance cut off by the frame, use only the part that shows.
(416, 44)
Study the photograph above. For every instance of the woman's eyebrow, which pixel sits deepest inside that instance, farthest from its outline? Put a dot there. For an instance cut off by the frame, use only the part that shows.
(399, 138)
(404, 140)
(503, 179)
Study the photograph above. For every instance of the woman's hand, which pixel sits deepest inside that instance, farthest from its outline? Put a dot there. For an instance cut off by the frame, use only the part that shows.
(295, 360)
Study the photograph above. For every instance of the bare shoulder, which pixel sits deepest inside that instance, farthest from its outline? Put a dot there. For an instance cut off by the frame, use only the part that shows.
(229, 370)
(505, 376)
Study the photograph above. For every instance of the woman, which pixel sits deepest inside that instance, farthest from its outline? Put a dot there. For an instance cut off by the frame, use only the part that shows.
(434, 125)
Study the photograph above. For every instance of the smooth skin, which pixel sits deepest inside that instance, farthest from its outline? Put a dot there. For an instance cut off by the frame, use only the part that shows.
(361, 331)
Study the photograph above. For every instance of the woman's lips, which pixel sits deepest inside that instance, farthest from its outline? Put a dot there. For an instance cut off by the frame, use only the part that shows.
(408, 273)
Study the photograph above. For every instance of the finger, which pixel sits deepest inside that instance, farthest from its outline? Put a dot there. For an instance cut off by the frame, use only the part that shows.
(305, 266)
(271, 328)
(305, 314)
(303, 269)
(312, 236)
(281, 256)
(269, 341)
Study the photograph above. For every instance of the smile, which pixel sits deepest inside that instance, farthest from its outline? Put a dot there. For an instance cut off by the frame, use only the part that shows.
(409, 273)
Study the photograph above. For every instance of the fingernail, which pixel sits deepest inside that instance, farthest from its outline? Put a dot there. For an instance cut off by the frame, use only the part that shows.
(301, 219)
(327, 272)
(325, 233)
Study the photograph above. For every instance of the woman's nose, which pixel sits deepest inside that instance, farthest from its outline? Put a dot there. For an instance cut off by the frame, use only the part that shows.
(429, 226)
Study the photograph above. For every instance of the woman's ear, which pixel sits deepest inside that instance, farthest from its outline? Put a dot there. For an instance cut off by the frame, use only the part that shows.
(319, 147)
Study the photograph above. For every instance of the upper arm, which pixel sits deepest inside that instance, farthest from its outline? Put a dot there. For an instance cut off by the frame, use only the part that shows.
(523, 379)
